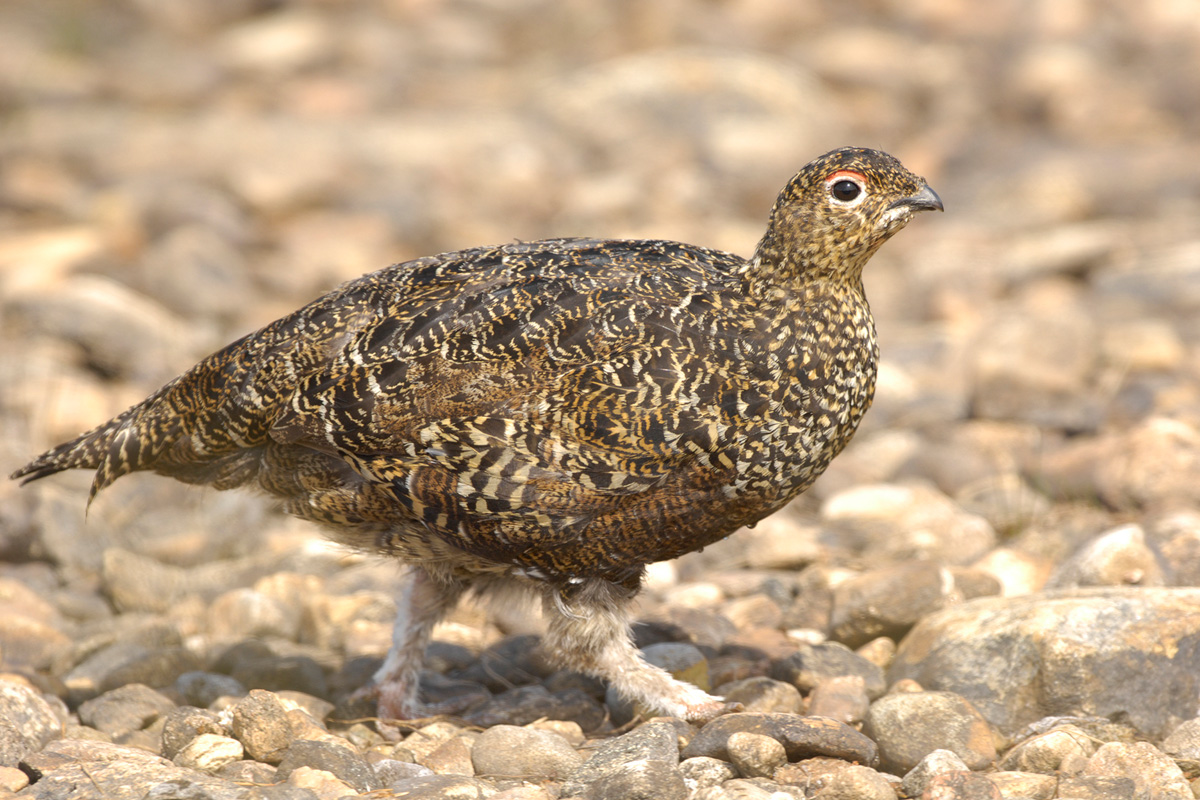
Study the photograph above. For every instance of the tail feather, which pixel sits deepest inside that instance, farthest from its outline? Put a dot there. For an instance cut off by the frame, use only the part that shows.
(124, 444)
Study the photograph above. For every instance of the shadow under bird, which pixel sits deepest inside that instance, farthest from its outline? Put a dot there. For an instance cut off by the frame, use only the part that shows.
(553, 415)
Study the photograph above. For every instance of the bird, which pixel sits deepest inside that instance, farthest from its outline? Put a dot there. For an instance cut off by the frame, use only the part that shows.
(550, 416)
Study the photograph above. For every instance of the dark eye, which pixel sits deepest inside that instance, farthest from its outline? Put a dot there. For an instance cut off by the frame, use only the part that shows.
(846, 190)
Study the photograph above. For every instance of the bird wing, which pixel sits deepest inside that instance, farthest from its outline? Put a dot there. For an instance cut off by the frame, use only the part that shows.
(551, 394)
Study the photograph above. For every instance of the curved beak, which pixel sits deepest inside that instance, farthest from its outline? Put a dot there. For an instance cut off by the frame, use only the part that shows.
(924, 200)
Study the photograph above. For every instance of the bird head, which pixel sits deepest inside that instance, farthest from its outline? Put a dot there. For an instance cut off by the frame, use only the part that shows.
(836, 212)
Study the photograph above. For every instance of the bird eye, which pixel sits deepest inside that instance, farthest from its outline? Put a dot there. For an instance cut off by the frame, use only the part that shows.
(845, 190)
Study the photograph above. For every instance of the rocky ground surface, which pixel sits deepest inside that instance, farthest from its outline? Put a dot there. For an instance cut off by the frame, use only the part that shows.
(993, 593)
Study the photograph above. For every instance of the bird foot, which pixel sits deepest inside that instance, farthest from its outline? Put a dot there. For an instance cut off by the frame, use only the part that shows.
(396, 702)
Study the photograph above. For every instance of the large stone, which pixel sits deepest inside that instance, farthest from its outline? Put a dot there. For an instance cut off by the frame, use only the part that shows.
(908, 726)
(509, 751)
(1132, 653)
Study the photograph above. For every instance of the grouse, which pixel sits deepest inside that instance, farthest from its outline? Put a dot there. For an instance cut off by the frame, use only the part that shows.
(553, 414)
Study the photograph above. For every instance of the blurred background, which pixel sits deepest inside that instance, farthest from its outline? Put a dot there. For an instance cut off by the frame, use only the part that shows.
(174, 174)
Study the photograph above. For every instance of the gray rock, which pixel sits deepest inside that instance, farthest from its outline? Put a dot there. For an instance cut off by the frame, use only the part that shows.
(440, 787)
(118, 772)
(110, 664)
(843, 698)
(246, 613)
(133, 707)
(201, 689)
(453, 757)
(656, 740)
(32, 631)
(277, 673)
(260, 722)
(685, 662)
(753, 789)
(1093, 787)
(1184, 741)
(830, 779)
(888, 601)
(907, 521)
(185, 723)
(936, 763)
(763, 694)
(334, 757)
(1154, 774)
(29, 713)
(801, 737)
(1119, 557)
(208, 752)
(1063, 750)
(703, 772)
(248, 772)
(813, 663)
(962, 783)
(391, 771)
(509, 751)
(1024, 784)
(639, 780)
(15, 744)
(908, 726)
(1010, 658)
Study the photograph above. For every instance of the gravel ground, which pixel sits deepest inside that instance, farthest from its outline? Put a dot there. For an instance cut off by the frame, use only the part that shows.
(993, 593)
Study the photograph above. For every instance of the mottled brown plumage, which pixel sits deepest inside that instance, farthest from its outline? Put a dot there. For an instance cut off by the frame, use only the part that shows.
(556, 413)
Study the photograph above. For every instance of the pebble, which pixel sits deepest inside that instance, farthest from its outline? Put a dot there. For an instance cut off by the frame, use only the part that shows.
(208, 752)
(763, 694)
(1184, 741)
(201, 689)
(513, 752)
(1036, 420)
(390, 771)
(30, 715)
(888, 601)
(184, 724)
(843, 698)
(656, 740)
(1153, 773)
(1024, 785)
(452, 757)
(908, 521)
(1120, 557)
(260, 722)
(908, 726)
(1064, 750)
(812, 664)
(325, 785)
(440, 787)
(332, 755)
(801, 737)
(132, 707)
(639, 780)
(703, 772)
(755, 755)
(938, 762)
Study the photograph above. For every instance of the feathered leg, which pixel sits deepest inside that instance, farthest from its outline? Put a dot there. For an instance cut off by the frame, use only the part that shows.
(588, 631)
(421, 602)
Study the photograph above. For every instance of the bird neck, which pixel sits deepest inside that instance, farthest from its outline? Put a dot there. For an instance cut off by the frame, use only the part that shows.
(787, 265)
